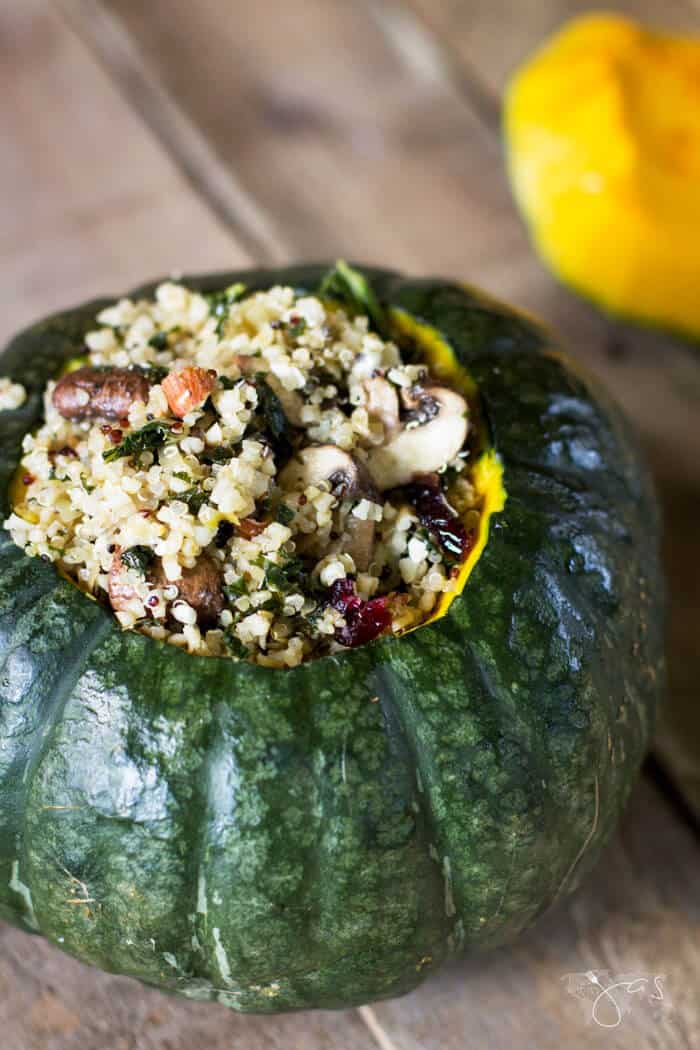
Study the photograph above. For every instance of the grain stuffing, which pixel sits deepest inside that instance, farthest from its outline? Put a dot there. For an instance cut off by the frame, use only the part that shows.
(264, 475)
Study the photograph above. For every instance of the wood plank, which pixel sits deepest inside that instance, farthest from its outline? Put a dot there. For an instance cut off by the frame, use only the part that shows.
(639, 916)
(90, 204)
(339, 136)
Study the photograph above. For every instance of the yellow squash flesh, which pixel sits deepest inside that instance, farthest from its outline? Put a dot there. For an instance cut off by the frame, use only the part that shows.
(603, 135)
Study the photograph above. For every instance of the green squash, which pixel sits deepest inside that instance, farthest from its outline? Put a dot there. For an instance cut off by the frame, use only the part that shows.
(329, 835)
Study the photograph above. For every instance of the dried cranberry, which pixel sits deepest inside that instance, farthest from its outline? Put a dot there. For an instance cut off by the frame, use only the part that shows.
(113, 433)
(437, 515)
(152, 601)
(27, 479)
(364, 620)
(67, 451)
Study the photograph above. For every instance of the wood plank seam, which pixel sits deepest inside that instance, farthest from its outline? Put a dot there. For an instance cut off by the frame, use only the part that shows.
(429, 56)
(188, 149)
(380, 1036)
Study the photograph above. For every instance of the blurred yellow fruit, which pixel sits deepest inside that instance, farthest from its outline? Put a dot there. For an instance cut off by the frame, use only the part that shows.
(603, 134)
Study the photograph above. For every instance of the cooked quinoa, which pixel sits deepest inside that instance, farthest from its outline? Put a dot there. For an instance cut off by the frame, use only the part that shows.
(258, 475)
(12, 395)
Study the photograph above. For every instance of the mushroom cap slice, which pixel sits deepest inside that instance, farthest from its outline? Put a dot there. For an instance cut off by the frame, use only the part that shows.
(348, 480)
(329, 463)
(422, 448)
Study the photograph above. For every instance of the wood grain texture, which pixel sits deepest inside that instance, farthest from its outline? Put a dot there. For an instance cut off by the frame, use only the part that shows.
(365, 136)
(90, 204)
(638, 916)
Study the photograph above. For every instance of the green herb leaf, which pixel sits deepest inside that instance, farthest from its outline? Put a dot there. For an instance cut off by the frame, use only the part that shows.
(217, 454)
(159, 341)
(194, 497)
(150, 436)
(296, 327)
(235, 590)
(284, 514)
(276, 423)
(138, 558)
(354, 290)
(220, 304)
(153, 373)
(284, 578)
(235, 646)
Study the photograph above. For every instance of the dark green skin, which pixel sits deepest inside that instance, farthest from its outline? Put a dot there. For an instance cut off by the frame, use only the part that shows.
(328, 835)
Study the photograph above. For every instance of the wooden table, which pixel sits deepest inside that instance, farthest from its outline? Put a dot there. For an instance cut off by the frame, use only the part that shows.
(140, 138)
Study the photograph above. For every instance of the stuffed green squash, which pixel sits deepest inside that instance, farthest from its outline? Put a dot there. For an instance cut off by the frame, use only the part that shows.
(331, 623)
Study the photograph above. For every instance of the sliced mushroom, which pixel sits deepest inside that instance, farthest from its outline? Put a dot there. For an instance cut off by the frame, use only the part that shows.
(432, 434)
(348, 480)
(329, 463)
(99, 393)
(200, 587)
(382, 402)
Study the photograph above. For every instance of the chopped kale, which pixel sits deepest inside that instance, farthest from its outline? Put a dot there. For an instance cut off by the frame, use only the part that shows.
(272, 604)
(352, 289)
(217, 454)
(235, 646)
(220, 304)
(235, 590)
(275, 423)
(159, 341)
(150, 436)
(138, 558)
(194, 497)
(284, 578)
(228, 383)
(296, 327)
(153, 373)
(284, 514)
